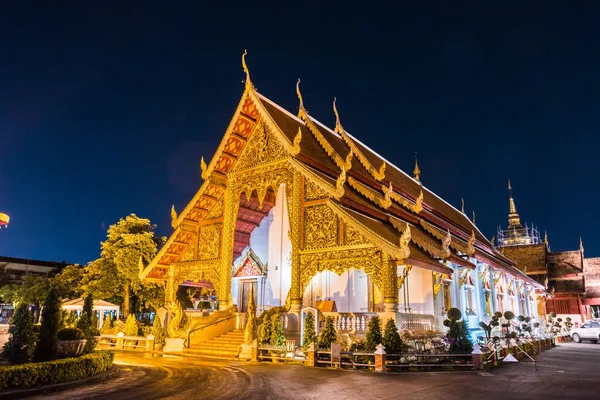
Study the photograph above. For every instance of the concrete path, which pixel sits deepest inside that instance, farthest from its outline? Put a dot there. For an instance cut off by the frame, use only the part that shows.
(569, 371)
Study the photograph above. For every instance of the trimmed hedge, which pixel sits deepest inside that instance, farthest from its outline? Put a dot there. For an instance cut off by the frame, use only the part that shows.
(52, 372)
(71, 334)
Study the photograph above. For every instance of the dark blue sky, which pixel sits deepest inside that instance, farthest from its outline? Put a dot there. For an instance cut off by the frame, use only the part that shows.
(107, 107)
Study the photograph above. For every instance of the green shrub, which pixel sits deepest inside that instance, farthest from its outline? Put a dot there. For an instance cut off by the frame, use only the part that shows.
(373, 333)
(131, 326)
(309, 330)
(327, 334)
(265, 330)
(47, 345)
(71, 334)
(68, 319)
(108, 324)
(458, 333)
(391, 338)
(21, 343)
(158, 331)
(53, 372)
(277, 335)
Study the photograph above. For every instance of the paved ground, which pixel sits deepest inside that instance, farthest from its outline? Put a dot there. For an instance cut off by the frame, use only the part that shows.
(569, 371)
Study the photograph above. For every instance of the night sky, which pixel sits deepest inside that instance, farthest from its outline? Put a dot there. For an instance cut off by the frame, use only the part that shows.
(107, 107)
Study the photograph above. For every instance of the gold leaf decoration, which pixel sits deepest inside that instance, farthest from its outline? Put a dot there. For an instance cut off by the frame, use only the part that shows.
(173, 217)
(209, 242)
(321, 227)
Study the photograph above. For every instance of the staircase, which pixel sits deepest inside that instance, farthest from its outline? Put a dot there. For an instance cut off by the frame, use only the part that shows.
(224, 346)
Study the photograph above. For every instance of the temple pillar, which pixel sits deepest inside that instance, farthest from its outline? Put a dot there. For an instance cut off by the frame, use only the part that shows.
(231, 206)
(295, 212)
(389, 276)
(170, 290)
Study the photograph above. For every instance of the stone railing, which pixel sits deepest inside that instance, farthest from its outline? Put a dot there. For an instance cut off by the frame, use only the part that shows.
(122, 342)
(416, 322)
(349, 322)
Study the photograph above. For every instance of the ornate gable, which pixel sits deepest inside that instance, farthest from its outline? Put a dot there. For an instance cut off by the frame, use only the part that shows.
(249, 265)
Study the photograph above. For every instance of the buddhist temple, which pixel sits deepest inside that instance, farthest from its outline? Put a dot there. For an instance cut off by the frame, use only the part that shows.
(305, 215)
(573, 281)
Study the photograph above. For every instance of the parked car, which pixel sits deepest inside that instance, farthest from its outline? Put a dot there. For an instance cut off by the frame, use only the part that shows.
(588, 331)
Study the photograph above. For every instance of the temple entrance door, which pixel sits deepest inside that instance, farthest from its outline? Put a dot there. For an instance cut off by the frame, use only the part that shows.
(245, 294)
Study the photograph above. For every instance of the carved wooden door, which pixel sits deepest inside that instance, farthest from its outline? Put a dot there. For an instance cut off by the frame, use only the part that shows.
(246, 295)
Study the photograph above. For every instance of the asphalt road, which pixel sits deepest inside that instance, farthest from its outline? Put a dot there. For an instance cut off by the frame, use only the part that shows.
(569, 371)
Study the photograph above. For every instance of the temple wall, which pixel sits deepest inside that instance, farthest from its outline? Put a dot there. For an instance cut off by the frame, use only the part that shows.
(279, 270)
(349, 290)
(419, 286)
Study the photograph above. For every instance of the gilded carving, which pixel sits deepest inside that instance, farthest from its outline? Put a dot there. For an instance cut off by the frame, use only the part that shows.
(404, 275)
(216, 211)
(438, 282)
(352, 236)
(209, 242)
(312, 191)
(295, 215)
(471, 244)
(339, 260)
(262, 147)
(321, 227)
(269, 176)
(189, 253)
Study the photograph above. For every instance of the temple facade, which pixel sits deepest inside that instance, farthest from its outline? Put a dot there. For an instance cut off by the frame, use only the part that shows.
(304, 215)
(571, 279)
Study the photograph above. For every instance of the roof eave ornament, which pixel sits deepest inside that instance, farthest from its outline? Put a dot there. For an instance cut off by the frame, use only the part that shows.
(339, 184)
(446, 245)
(338, 125)
(245, 67)
(473, 217)
(462, 205)
(404, 242)
(301, 109)
(471, 244)
(204, 168)
(173, 217)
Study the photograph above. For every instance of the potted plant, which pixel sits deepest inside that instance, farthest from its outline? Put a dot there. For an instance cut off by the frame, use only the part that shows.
(71, 342)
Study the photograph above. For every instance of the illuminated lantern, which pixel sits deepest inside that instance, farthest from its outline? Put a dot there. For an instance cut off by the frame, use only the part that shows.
(4, 220)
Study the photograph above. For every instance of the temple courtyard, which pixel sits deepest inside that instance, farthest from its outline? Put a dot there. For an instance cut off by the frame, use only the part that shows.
(568, 371)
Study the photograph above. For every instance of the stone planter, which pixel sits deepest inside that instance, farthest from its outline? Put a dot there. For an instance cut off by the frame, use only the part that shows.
(71, 348)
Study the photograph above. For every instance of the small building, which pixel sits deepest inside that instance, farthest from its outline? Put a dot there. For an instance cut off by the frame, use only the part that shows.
(101, 307)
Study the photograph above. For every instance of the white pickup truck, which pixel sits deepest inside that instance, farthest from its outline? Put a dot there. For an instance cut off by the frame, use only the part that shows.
(588, 331)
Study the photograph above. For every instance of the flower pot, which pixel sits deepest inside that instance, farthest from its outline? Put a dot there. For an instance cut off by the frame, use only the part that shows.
(71, 348)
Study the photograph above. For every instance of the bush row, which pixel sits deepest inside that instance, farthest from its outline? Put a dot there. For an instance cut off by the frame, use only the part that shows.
(52, 372)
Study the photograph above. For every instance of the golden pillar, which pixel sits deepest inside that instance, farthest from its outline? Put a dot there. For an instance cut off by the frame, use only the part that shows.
(389, 276)
(232, 203)
(295, 213)
(170, 289)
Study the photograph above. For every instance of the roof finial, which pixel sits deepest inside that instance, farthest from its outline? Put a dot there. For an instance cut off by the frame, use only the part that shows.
(173, 217)
(338, 124)
(546, 238)
(417, 171)
(245, 67)
(301, 107)
(473, 217)
(513, 217)
(462, 207)
(580, 244)
(493, 241)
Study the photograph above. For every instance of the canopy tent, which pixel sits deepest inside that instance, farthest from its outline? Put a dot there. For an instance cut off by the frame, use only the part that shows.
(101, 306)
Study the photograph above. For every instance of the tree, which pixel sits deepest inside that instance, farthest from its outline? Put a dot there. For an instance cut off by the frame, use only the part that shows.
(277, 335)
(309, 330)
(21, 343)
(47, 344)
(373, 333)
(131, 326)
(458, 333)
(68, 281)
(158, 331)
(9, 294)
(391, 338)
(115, 274)
(265, 330)
(107, 327)
(327, 335)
